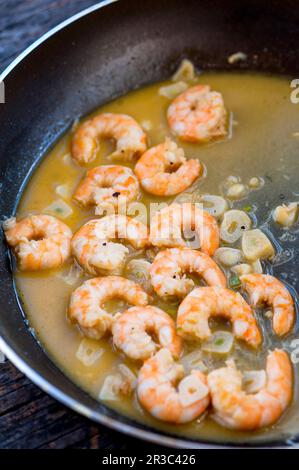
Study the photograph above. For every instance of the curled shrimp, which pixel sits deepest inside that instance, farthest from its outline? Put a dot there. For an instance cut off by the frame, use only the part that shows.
(168, 224)
(169, 265)
(153, 166)
(87, 303)
(204, 302)
(105, 184)
(129, 136)
(236, 409)
(39, 241)
(165, 394)
(268, 289)
(197, 114)
(133, 329)
(94, 250)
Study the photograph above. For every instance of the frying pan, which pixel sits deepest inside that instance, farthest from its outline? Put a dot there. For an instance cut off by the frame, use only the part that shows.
(95, 56)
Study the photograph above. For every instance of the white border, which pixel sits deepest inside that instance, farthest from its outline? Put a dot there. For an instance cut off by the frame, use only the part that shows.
(36, 378)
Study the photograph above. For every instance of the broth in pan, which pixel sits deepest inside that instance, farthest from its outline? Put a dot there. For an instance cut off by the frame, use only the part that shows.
(229, 152)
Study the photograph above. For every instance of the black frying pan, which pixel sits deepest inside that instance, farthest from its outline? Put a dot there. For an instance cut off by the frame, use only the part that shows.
(98, 55)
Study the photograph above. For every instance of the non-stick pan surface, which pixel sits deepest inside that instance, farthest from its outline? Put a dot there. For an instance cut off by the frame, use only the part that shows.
(94, 57)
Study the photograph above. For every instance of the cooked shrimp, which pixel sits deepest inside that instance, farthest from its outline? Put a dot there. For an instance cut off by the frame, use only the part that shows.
(129, 136)
(105, 184)
(133, 329)
(87, 303)
(165, 394)
(204, 302)
(168, 224)
(198, 114)
(169, 265)
(238, 410)
(268, 289)
(39, 241)
(153, 166)
(94, 250)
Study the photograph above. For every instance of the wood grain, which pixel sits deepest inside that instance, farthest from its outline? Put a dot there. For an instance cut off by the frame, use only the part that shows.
(28, 417)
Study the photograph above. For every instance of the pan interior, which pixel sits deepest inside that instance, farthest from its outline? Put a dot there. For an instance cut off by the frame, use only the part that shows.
(262, 142)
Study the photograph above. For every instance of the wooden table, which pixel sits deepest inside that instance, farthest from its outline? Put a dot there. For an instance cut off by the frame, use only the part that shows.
(28, 417)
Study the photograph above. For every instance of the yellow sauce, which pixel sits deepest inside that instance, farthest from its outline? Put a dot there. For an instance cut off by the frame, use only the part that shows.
(262, 121)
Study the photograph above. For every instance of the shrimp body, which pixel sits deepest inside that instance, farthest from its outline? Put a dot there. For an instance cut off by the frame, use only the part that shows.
(268, 289)
(236, 409)
(204, 302)
(87, 303)
(168, 271)
(159, 394)
(129, 136)
(164, 171)
(94, 250)
(132, 332)
(105, 184)
(198, 114)
(39, 242)
(168, 225)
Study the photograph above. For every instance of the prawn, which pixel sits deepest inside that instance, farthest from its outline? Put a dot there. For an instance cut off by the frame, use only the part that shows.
(198, 114)
(164, 171)
(169, 265)
(166, 394)
(236, 409)
(204, 302)
(105, 184)
(129, 136)
(168, 224)
(39, 241)
(87, 303)
(94, 250)
(133, 329)
(266, 288)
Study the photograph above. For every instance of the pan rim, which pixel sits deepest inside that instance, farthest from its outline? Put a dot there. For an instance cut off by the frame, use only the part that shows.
(54, 391)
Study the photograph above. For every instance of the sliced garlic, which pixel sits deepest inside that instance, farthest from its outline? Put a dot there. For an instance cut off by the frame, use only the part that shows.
(228, 256)
(171, 91)
(255, 182)
(138, 270)
(254, 381)
(191, 389)
(186, 71)
(9, 223)
(236, 191)
(63, 190)
(268, 314)
(110, 390)
(147, 125)
(234, 224)
(67, 159)
(286, 215)
(257, 267)
(231, 179)
(221, 342)
(129, 379)
(193, 361)
(60, 209)
(242, 268)
(71, 275)
(255, 245)
(183, 197)
(88, 352)
(215, 205)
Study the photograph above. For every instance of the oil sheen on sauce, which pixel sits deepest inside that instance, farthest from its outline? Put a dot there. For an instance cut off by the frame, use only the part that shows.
(263, 127)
